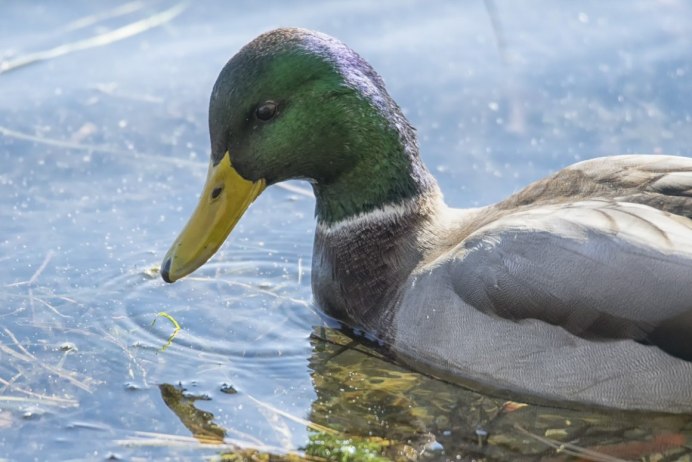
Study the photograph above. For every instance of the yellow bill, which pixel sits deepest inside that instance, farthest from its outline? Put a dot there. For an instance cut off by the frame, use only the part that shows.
(225, 198)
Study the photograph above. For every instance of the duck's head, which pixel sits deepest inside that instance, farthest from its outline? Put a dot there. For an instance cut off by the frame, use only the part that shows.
(298, 104)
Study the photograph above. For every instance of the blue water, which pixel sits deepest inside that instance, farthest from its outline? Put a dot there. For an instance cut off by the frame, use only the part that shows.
(103, 152)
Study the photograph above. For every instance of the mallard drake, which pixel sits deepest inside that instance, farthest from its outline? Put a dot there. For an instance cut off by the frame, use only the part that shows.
(575, 290)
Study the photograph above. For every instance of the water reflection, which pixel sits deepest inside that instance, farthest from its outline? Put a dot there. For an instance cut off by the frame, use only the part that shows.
(370, 408)
(363, 394)
(198, 422)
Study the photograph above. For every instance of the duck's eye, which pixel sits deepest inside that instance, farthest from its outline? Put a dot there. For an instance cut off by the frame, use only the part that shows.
(266, 110)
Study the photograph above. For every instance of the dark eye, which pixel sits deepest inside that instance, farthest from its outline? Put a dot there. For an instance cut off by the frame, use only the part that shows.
(266, 110)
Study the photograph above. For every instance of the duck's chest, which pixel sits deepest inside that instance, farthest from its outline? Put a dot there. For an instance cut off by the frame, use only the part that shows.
(359, 269)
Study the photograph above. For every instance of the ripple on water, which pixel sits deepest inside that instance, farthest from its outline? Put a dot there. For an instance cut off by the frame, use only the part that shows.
(244, 318)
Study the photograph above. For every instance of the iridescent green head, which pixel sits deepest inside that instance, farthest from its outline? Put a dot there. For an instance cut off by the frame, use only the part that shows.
(299, 104)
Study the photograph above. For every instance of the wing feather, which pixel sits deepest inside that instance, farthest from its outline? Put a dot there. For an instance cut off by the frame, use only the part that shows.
(662, 182)
(601, 269)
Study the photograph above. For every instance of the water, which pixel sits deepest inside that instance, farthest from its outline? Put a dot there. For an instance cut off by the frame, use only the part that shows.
(103, 152)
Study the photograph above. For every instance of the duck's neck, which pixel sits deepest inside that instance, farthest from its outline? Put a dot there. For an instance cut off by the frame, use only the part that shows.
(360, 263)
(383, 167)
(369, 216)
(369, 187)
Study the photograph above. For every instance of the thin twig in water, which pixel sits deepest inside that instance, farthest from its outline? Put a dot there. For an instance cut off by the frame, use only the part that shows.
(9, 351)
(59, 143)
(31, 301)
(97, 148)
(106, 38)
(67, 375)
(67, 299)
(497, 31)
(52, 400)
(569, 448)
(133, 359)
(19, 345)
(307, 423)
(90, 20)
(110, 90)
(251, 287)
(163, 439)
(30, 297)
(141, 438)
(176, 441)
(30, 282)
(517, 119)
(47, 305)
(9, 383)
(37, 273)
(48, 400)
(42, 267)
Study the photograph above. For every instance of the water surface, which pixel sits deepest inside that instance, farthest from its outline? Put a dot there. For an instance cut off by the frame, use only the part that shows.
(103, 152)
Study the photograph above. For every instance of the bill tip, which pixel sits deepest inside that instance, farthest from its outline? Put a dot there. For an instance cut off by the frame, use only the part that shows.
(166, 269)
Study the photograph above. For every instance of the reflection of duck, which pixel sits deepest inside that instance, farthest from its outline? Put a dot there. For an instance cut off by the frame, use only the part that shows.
(367, 408)
(577, 288)
(199, 422)
(358, 392)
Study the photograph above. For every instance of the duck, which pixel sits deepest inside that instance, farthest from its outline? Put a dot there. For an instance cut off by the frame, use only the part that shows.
(574, 291)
